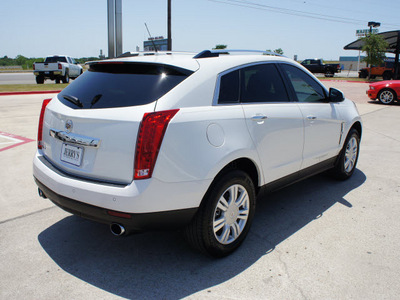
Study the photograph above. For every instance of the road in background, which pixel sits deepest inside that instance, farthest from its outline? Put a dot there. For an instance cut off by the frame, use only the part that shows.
(337, 241)
(19, 78)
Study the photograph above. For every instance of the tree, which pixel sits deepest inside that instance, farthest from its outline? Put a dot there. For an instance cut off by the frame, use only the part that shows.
(219, 46)
(278, 51)
(375, 47)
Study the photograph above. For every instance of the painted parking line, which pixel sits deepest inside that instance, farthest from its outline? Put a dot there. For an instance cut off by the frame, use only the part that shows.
(9, 140)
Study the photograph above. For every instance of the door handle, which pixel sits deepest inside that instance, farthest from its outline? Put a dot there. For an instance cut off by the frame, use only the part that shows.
(259, 118)
(311, 117)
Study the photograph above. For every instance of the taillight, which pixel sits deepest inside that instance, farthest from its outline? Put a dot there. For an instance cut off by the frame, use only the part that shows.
(150, 136)
(40, 127)
(59, 66)
(33, 67)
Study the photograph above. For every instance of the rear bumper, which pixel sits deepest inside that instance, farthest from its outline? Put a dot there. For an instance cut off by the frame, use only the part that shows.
(138, 197)
(48, 74)
(132, 222)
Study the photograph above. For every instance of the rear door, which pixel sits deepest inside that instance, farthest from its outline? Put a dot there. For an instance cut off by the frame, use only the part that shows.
(274, 123)
(322, 122)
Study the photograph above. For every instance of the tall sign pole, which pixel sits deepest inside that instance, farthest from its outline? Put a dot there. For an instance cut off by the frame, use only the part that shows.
(111, 28)
(169, 46)
(118, 27)
(114, 11)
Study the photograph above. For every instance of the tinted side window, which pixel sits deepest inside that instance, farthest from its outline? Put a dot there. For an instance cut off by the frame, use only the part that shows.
(305, 87)
(262, 83)
(229, 88)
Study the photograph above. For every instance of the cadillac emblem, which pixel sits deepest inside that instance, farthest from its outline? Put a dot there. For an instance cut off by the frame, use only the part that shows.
(69, 125)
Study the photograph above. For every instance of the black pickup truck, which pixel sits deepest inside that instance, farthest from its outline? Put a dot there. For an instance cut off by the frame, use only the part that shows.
(317, 66)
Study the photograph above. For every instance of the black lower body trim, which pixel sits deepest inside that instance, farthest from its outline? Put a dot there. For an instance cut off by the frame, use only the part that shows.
(300, 175)
(137, 222)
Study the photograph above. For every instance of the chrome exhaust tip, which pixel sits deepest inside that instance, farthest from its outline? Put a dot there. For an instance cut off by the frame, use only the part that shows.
(41, 194)
(117, 229)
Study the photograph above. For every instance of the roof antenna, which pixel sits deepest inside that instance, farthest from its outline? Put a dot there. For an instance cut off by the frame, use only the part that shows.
(150, 38)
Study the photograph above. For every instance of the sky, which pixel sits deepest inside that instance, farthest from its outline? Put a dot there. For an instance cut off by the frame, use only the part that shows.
(306, 28)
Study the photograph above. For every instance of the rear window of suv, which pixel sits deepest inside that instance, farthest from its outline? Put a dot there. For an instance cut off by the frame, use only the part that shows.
(110, 85)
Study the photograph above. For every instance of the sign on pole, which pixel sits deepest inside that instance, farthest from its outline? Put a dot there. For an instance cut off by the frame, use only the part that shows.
(364, 32)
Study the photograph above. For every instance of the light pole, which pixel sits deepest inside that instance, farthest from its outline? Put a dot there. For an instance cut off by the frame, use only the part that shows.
(169, 46)
(373, 24)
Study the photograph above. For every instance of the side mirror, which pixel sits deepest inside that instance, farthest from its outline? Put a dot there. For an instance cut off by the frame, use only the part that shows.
(335, 95)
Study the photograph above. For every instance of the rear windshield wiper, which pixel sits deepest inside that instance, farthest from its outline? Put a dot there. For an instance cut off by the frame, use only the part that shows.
(73, 100)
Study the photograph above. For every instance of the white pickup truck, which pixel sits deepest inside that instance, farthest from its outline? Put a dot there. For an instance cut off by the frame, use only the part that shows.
(57, 67)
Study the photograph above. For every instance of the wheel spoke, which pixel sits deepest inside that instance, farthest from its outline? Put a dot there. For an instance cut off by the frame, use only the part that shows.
(225, 235)
(233, 192)
(235, 230)
(222, 204)
(243, 197)
(243, 214)
(218, 224)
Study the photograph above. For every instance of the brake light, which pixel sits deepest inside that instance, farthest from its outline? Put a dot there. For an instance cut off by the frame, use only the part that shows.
(59, 66)
(150, 136)
(33, 66)
(41, 120)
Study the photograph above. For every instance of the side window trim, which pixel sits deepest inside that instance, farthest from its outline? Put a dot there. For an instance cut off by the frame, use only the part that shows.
(218, 84)
(290, 86)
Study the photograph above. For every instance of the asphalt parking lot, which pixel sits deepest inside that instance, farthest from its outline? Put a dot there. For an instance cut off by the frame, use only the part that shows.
(318, 239)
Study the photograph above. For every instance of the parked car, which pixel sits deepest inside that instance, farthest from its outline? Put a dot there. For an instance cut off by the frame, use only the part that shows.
(58, 68)
(181, 141)
(385, 91)
(385, 70)
(317, 66)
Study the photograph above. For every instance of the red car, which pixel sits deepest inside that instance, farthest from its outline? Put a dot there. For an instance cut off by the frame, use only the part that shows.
(385, 91)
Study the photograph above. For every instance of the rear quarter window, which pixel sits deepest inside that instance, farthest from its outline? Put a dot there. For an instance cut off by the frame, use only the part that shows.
(113, 85)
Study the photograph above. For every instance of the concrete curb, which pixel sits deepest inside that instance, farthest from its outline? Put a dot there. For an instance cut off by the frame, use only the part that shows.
(29, 93)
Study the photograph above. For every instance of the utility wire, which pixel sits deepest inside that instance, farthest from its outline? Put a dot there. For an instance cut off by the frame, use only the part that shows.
(257, 6)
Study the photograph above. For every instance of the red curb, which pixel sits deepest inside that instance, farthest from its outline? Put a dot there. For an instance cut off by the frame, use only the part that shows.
(29, 93)
(339, 80)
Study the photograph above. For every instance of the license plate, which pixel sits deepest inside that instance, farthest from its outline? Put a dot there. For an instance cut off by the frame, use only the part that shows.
(72, 154)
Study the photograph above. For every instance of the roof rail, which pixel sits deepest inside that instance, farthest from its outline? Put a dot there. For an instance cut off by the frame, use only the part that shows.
(145, 53)
(217, 52)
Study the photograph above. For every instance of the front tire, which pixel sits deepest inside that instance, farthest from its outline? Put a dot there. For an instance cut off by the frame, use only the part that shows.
(225, 215)
(348, 157)
(386, 96)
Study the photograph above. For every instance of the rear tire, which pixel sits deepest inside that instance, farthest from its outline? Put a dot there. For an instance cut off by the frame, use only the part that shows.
(39, 79)
(387, 75)
(329, 73)
(225, 215)
(58, 80)
(348, 157)
(65, 79)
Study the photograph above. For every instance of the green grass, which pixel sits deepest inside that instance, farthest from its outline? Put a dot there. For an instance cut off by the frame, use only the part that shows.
(31, 87)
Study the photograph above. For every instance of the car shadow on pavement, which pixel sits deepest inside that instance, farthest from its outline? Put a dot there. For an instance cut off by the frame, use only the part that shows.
(161, 264)
(377, 102)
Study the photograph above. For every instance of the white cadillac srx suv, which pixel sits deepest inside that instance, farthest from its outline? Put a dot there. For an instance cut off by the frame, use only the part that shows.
(177, 140)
